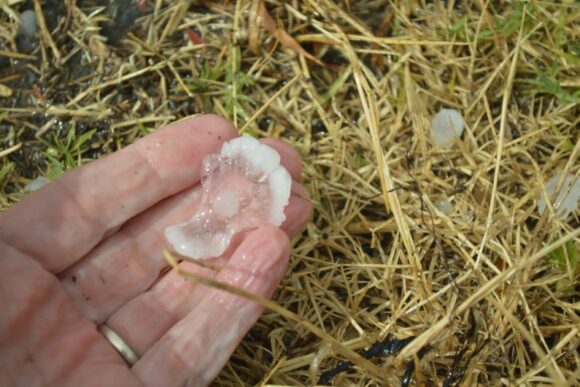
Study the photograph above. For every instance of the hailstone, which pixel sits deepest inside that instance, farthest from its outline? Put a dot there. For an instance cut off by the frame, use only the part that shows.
(244, 187)
(567, 200)
(446, 126)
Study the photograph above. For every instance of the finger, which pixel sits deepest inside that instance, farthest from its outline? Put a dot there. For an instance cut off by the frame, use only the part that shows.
(145, 318)
(199, 345)
(83, 205)
(130, 261)
(44, 340)
(298, 212)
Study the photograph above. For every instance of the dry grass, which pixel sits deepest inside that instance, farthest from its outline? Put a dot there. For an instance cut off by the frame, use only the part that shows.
(488, 290)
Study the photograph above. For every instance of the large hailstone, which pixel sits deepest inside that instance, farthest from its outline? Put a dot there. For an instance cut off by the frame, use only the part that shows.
(567, 200)
(446, 126)
(244, 186)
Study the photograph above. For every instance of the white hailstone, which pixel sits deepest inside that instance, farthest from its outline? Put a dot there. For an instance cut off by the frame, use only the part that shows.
(244, 187)
(28, 26)
(446, 126)
(567, 200)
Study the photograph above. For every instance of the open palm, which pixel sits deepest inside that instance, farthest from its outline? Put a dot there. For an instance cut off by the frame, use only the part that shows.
(86, 250)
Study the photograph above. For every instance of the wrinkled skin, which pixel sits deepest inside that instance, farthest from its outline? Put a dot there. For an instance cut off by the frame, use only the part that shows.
(86, 250)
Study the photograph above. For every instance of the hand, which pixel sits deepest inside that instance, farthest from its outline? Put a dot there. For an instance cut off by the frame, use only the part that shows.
(86, 250)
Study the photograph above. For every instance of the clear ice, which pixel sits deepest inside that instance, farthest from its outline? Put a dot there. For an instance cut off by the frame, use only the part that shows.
(244, 186)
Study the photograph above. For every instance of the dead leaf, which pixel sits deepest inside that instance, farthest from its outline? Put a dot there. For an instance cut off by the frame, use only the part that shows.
(259, 16)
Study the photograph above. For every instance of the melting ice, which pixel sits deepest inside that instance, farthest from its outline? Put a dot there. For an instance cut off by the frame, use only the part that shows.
(446, 126)
(567, 200)
(244, 186)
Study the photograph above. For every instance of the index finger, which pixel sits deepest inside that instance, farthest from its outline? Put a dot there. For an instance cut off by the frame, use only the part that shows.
(66, 219)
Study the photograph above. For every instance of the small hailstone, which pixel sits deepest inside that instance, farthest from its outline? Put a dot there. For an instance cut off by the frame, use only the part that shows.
(37, 184)
(446, 126)
(567, 200)
(469, 216)
(244, 186)
(444, 205)
(28, 26)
